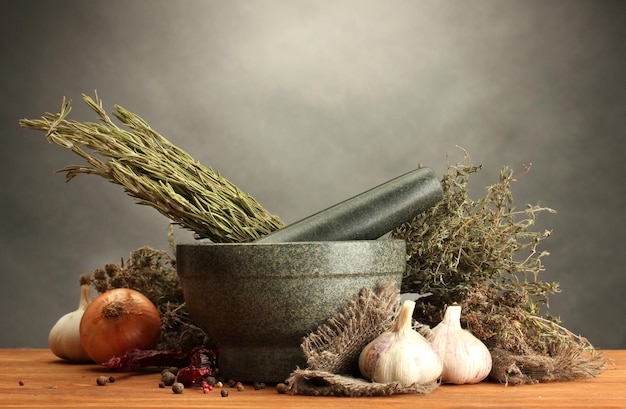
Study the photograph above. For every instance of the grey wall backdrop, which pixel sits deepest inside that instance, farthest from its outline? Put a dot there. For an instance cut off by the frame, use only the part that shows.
(306, 103)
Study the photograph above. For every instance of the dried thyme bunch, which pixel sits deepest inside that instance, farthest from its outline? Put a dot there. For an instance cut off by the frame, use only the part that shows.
(153, 273)
(483, 255)
(460, 244)
(157, 173)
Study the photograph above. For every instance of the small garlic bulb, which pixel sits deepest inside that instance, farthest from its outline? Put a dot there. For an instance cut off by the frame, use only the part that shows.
(64, 337)
(401, 354)
(465, 358)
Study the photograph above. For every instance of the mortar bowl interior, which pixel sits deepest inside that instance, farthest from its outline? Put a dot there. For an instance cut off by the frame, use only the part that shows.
(259, 300)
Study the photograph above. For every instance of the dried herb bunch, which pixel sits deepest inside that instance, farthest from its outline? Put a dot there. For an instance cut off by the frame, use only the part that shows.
(157, 173)
(483, 255)
(153, 273)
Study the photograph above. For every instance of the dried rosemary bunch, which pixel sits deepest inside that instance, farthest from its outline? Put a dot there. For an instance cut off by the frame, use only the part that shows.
(157, 173)
(483, 255)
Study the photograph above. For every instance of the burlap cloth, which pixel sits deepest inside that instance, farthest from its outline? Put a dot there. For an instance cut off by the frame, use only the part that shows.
(333, 350)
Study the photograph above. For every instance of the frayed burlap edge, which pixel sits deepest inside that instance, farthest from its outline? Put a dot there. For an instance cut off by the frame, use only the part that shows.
(332, 351)
(321, 383)
(569, 362)
(335, 346)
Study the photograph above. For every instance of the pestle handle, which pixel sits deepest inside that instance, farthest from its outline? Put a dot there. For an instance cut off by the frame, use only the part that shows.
(369, 215)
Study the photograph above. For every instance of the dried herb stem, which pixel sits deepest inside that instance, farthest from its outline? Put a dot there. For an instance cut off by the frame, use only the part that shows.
(483, 255)
(156, 173)
(462, 241)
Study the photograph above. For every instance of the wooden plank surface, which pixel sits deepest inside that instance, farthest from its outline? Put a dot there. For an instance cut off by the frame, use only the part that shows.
(35, 378)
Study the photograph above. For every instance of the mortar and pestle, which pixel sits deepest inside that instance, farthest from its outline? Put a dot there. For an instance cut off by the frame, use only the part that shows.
(259, 299)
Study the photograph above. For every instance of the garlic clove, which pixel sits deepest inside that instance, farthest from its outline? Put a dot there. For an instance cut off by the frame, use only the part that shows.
(401, 354)
(465, 358)
(64, 337)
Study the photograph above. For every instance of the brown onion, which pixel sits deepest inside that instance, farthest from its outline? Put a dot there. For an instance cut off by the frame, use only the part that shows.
(116, 321)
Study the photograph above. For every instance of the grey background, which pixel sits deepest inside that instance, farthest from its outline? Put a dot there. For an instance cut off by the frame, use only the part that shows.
(306, 103)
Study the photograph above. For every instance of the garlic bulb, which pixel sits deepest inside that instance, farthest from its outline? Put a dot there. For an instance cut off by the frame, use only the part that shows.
(465, 358)
(64, 337)
(401, 354)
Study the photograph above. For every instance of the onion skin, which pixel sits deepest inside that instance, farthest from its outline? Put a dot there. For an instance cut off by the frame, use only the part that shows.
(116, 321)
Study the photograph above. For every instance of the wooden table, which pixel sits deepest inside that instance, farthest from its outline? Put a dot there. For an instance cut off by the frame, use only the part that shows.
(35, 378)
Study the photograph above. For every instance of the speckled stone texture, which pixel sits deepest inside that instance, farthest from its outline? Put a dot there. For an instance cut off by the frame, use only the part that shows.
(259, 300)
(369, 215)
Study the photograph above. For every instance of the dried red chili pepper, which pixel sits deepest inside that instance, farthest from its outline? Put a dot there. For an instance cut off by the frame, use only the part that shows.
(135, 359)
(200, 366)
(191, 375)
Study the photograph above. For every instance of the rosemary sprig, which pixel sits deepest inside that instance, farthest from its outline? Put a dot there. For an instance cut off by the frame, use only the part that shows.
(157, 173)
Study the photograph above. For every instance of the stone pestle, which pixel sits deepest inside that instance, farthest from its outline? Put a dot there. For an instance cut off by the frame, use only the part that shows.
(369, 215)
